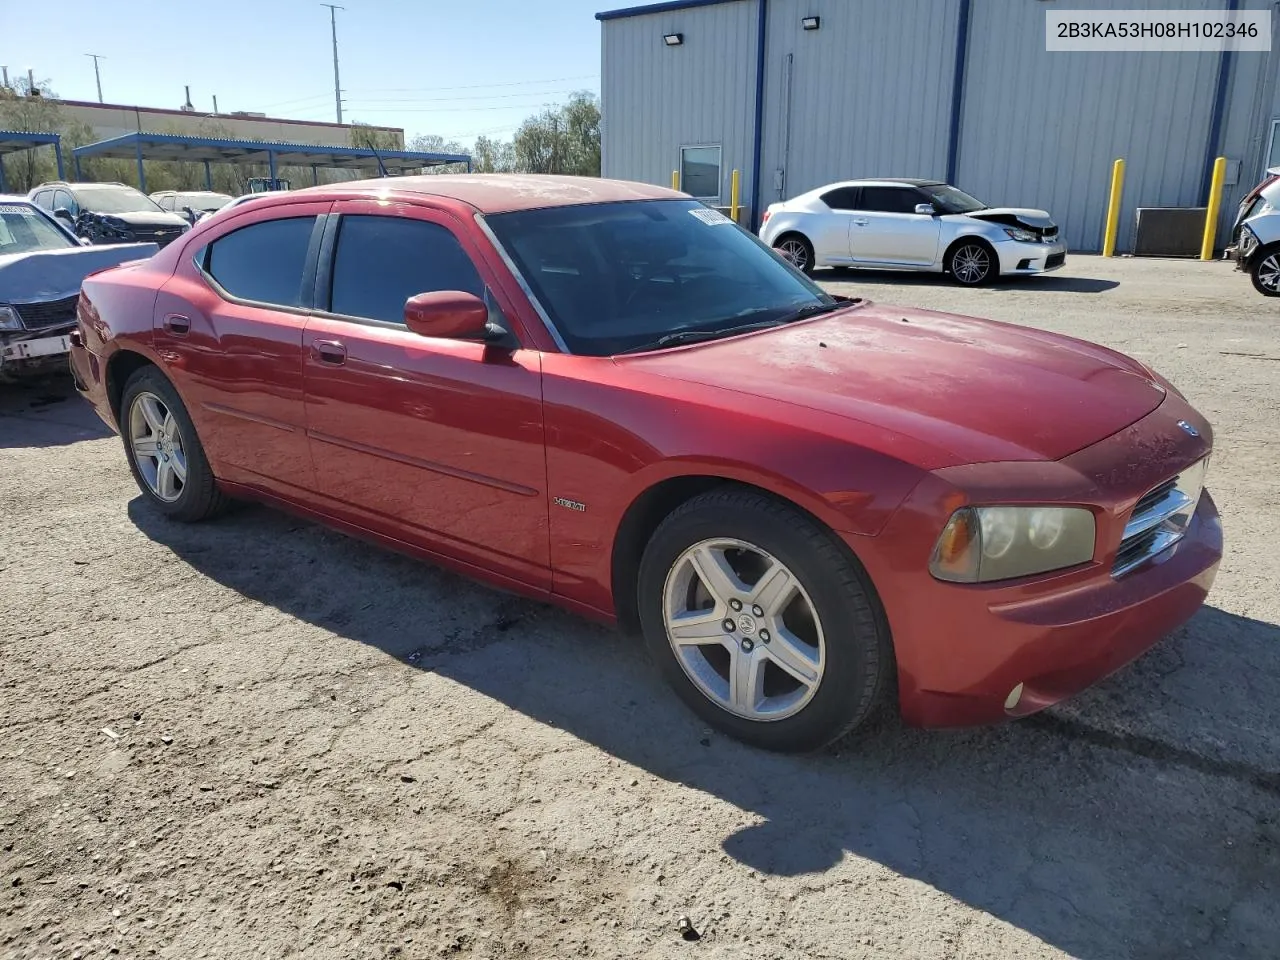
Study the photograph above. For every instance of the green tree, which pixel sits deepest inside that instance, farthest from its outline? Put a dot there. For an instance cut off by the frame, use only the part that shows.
(564, 139)
(29, 111)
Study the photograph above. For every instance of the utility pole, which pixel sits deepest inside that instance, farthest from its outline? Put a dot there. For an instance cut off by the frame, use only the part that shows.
(333, 24)
(96, 75)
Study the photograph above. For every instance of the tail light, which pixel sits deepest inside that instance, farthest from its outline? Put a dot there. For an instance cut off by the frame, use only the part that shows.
(765, 218)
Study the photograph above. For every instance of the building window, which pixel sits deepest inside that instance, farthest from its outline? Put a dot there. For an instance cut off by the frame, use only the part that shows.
(700, 172)
(1273, 148)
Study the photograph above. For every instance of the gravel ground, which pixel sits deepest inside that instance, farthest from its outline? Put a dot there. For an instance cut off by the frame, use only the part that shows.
(258, 738)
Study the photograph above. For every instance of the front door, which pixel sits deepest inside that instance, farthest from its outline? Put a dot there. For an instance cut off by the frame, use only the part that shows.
(435, 441)
(886, 229)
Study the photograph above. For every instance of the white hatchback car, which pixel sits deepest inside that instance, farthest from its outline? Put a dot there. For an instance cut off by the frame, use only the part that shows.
(912, 225)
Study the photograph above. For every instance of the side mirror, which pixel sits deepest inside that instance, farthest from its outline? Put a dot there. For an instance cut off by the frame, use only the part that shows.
(450, 314)
(926, 209)
(189, 214)
(62, 213)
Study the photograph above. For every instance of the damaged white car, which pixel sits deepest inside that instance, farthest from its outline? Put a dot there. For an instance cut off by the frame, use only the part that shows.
(901, 224)
(41, 267)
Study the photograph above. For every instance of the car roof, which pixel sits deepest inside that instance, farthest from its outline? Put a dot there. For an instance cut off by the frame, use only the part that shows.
(502, 192)
(884, 182)
(14, 198)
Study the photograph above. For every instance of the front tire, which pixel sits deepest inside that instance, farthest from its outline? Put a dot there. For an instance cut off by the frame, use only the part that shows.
(1265, 272)
(762, 623)
(972, 263)
(163, 451)
(797, 251)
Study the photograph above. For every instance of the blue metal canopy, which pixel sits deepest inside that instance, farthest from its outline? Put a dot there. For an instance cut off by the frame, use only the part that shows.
(174, 147)
(11, 141)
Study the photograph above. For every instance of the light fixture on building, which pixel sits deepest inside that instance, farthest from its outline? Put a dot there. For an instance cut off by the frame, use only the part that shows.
(673, 39)
(811, 23)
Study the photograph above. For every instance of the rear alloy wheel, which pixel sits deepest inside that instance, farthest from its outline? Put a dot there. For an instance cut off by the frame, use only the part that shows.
(797, 251)
(764, 626)
(972, 264)
(164, 452)
(1265, 273)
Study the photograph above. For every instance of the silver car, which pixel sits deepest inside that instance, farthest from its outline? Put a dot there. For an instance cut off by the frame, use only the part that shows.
(912, 225)
(1258, 252)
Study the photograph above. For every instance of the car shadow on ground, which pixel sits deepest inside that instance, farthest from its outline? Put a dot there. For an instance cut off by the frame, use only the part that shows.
(1153, 836)
(46, 412)
(1050, 283)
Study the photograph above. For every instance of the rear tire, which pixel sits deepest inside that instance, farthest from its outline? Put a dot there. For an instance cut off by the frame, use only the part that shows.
(163, 451)
(762, 622)
(972, 262)
(1265, 271)
(797, 251)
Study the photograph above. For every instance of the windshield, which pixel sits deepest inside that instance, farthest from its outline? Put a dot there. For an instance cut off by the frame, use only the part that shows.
(116, 200)
(203, 201)
(23, 230)
(948, 199)
(617, 276)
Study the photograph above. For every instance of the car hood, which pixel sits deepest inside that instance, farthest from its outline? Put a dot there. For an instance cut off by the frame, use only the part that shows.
(976, 389)
(44, 275)
(1014, 216)
(143, 218)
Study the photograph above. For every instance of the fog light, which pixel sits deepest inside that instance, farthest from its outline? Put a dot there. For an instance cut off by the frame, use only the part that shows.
(1012, 700)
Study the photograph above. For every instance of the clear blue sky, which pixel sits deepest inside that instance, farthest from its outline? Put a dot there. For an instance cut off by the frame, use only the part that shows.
(453, 67)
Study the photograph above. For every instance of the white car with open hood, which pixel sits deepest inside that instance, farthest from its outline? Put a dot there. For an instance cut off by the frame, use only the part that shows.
(42, 265)
(901, 224)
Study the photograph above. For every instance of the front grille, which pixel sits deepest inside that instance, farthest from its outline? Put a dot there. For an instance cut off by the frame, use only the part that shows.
(1159, 519)
(162, 236)
(53, 313)
(1054, 260)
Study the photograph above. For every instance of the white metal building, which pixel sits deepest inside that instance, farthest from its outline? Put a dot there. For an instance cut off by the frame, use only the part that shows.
(798, 93)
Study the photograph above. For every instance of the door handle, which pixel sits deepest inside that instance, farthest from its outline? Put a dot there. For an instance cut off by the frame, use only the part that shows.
(177, 324)
(860, 223)
(329, 351)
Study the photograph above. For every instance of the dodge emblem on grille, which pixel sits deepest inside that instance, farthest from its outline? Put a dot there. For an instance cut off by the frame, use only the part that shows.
(1188, 428)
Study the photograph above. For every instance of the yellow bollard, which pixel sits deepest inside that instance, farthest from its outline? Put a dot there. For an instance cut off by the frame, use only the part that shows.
(1214, 207)
(735, 186)
(675, 179)
(1113, 210)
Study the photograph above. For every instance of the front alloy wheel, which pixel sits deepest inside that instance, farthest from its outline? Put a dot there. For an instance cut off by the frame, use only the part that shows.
(762, 621)
(971, 264)
(157, 446)
(743, 629)
(1266, 274)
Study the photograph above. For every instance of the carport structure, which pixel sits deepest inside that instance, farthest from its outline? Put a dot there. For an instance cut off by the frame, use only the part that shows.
(209, 150)
(13, 141)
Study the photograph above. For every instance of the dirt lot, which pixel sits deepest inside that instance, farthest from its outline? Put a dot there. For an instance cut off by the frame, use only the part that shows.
(257, 738)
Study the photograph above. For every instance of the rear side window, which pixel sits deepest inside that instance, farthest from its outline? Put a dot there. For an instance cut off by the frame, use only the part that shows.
(890, 199)
(263, 262)
(841, 198)
(381, 262)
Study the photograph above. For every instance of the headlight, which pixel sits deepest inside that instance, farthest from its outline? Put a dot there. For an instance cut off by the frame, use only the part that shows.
(1022, 236)
(9, 319)
(979, 544)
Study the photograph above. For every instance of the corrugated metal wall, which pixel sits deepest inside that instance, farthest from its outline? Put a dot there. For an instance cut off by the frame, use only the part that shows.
(870, 94)
(1042, 129)
(656, 99)
(870, 91)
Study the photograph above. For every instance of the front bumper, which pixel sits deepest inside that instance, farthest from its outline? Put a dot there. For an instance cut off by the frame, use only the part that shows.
(28, 354)
(963, 649)
(1027, 258)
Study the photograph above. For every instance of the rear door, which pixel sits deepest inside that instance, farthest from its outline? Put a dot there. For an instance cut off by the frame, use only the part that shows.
(434, 441)
(832, 238)
(230, 323)
(886, 229)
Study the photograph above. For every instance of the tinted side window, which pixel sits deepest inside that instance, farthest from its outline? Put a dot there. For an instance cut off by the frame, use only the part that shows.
(44, 199)
(62, 198)
(381, 262)
(841, 198)
(890, 199)
(264, 261)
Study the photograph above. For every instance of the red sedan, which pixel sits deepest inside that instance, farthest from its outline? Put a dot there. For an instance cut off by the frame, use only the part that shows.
(609, 396)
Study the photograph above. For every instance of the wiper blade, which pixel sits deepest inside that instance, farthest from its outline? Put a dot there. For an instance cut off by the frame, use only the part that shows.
(815, 310)
(696, 336)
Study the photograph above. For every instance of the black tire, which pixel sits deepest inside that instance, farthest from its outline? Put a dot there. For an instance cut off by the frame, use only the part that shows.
(199, 497)
(796, 249)
(859, 671)
(963, 253)
(1264, 271)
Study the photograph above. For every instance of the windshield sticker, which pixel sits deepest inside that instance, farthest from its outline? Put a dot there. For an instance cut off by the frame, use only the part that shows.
(712, 218)
(14, 208)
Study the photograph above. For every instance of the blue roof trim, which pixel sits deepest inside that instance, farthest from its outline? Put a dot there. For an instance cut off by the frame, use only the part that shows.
(658, 8)
(135, 140)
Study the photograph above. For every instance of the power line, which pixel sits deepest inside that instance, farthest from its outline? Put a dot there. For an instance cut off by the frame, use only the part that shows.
(480, 86)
